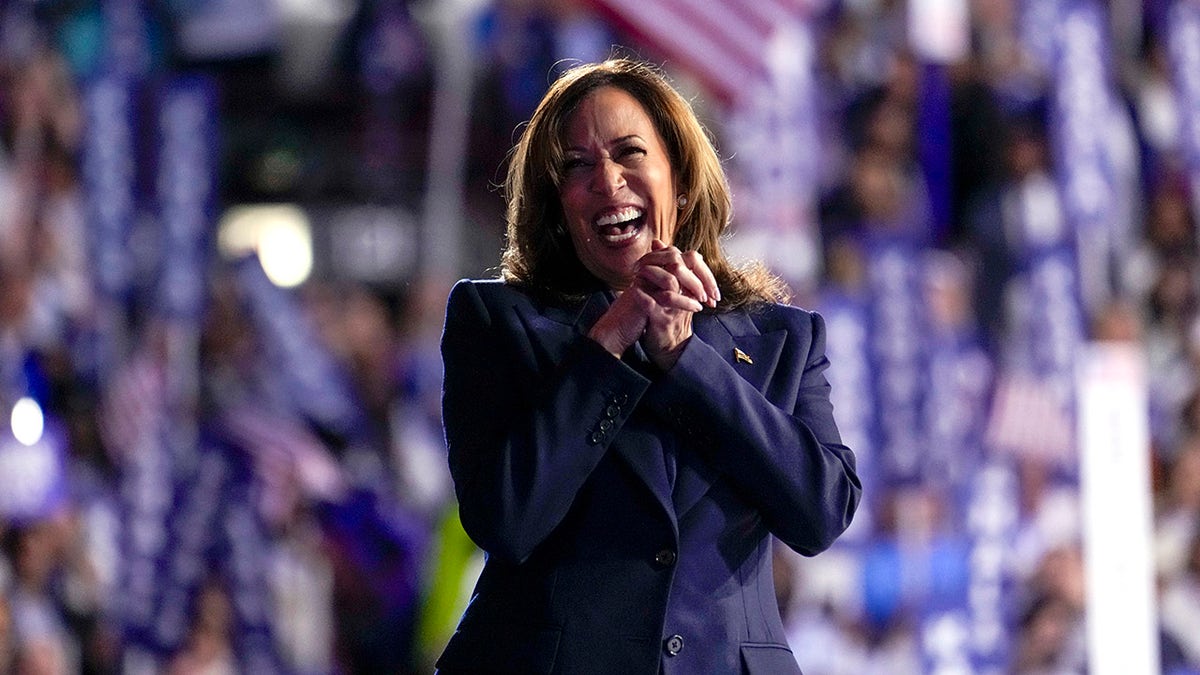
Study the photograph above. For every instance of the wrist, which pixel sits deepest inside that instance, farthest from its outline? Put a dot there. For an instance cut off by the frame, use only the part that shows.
(606, 342)
(666, 359)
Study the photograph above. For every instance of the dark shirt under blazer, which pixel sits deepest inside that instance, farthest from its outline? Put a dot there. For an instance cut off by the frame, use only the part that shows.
(626, 514)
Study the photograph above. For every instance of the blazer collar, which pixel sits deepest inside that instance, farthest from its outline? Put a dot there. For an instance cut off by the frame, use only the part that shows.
(580, 314)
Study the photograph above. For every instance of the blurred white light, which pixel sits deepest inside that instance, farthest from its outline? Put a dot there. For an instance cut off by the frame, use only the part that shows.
(940, 30)
(279, 233)
(285, 250)
(27, 421)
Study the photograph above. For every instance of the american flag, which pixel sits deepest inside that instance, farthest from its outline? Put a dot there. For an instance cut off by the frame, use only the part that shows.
(726, 45)
(1030, 418)
(289, 460)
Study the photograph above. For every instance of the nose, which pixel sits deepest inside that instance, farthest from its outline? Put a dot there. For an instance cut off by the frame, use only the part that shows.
(607, 178)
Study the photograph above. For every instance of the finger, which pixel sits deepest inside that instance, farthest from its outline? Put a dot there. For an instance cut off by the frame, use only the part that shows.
(695, 262)
(637, 302)
(672, 260)
(655, 278)
(673, 300)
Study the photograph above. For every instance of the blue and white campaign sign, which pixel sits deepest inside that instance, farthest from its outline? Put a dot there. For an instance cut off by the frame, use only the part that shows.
(146, 495)
(1082, 124)
(186, 189)
(1183, 41)
(109, 179)
(193, 534)
(1082, 99)
(311, 380)
(959, 377)
(897, 348)
(109, 183)
(847, 346)
(971, 632)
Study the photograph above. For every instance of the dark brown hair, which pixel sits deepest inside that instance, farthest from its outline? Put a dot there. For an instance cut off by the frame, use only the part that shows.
(539, 253)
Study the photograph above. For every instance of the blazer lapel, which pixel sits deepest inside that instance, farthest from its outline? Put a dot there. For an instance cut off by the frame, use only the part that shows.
(552, 328)
(754, 356)
(552, 331)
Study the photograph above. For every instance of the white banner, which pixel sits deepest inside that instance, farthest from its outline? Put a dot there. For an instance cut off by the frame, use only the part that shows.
(1122, 623)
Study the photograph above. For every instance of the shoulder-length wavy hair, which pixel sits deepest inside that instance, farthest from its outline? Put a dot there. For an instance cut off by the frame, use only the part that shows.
(539, 253)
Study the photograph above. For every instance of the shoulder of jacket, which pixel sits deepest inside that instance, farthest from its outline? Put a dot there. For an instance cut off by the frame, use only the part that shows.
(485, 288)
(491, 293)
(772, 315)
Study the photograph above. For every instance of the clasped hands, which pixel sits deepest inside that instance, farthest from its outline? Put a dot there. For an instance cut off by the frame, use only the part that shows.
(668, 287)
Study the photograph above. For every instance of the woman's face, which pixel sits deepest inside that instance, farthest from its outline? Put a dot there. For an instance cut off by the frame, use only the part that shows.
(618, 187)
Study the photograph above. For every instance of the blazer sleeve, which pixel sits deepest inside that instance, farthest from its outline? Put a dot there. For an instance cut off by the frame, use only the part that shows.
(523, 433)
(790, 463)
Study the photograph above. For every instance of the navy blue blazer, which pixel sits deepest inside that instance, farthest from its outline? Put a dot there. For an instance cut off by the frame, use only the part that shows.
(626, 514)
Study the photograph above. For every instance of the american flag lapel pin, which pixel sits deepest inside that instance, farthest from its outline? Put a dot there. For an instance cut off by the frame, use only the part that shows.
(741, 356)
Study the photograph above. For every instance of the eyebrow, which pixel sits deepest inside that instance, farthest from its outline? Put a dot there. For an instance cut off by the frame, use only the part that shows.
(615, 141)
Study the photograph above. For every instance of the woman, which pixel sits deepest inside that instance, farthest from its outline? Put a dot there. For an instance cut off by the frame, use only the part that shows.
(629, 417)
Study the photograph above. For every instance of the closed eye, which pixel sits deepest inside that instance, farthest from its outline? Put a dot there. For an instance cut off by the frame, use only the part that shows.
(572, 164)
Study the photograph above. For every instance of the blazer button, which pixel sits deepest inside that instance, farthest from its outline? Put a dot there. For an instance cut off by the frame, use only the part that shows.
(611, 411)
(665, 557)
(605, 424)
(674, 645)
(620, 399)
(596, 437)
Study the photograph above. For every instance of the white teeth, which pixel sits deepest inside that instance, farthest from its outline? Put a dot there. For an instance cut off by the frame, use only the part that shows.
(618, 238)
(624, 215)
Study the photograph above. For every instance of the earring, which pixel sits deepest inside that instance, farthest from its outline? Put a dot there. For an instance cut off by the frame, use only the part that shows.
(682, 201)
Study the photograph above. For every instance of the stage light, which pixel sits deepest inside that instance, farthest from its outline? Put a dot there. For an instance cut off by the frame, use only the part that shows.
(27, 421)
(280, 234)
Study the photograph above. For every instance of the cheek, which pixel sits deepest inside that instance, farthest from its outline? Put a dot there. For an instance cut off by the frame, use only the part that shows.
(572, 200)
(578, 232)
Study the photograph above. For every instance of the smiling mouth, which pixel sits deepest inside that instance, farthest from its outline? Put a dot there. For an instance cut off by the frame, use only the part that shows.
(621, 225)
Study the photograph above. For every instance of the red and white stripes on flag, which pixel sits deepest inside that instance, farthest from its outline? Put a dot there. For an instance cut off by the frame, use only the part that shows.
(726, 44)
(289, 460)
(1031, 418)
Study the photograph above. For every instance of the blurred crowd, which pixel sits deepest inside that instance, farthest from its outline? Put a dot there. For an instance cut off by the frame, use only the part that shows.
(354, 548)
